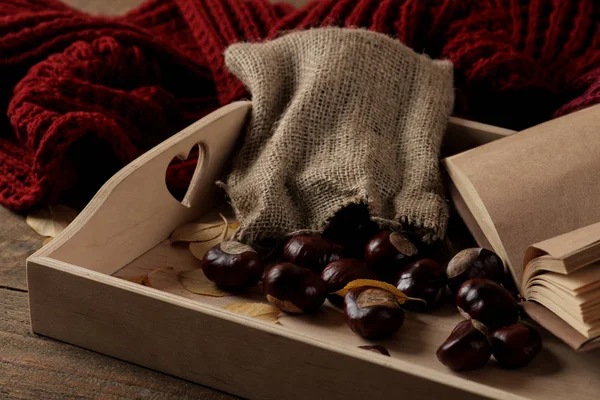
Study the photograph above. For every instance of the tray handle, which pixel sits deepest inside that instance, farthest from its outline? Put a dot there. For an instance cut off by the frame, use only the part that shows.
(134, 211)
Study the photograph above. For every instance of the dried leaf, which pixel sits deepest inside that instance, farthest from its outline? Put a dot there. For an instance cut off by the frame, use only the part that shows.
(47, 240)
(196, 232)
(51, 220)
(400, 296)
(144, 279)
(256, 310)
(376, 349)
(198, 249)
(196, 282)
(200, 231)
(137, 279)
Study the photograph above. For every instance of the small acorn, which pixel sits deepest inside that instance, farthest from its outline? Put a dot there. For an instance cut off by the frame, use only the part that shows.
(311, 251)
(372, 313)
(388, 252)
(422, 279)
(232, 265)
(294, 289)
(351, 227)
(339, 273)
(474, 263)
(516, 345)
(487, 302)
(467, 348)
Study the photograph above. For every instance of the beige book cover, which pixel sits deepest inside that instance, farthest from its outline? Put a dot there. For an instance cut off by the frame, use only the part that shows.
(531, 187)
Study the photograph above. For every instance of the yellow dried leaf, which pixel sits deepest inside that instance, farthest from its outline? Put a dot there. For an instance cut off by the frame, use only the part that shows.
(256, 310)
(200, 231)
(376, 349)
(51, 220)
(47, 240)
(401, 297)
(144, 279)
(227, 234)
(137, 279)
(196, 282)
(198, 249)
(196, 232)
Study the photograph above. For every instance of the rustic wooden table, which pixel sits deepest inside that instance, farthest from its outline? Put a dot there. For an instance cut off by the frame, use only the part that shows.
(34, 367)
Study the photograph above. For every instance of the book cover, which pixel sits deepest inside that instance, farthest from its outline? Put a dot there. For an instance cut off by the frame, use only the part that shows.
(529, 187)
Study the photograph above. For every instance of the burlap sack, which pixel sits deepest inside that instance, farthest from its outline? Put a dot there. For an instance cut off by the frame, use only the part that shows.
(339, 116)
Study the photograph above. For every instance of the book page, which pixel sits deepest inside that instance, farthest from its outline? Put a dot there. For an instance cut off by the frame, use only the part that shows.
(538, 183)
(580, 281)
(573, 250)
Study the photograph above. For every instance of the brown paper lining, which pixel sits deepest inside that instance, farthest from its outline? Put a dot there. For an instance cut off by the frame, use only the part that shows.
(538, 183)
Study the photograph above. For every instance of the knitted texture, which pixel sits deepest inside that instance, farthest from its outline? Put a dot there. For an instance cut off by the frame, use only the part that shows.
(340, 116)
(83, 95)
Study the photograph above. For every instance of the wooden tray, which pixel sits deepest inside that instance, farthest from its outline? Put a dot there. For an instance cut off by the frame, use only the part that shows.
(78, 295)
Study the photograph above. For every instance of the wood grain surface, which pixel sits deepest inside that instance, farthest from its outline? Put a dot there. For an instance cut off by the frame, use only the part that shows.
(34, 367)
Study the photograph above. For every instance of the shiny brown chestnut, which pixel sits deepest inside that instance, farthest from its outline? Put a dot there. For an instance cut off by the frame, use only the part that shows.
(311, 251)
(232, 265)
(516, 345)
(388, 252)
(487, 302)
(294, 289)
(372, 313)
(474, 263)
(351, 227)
(465, 349)
(339, 273)
(422, 279)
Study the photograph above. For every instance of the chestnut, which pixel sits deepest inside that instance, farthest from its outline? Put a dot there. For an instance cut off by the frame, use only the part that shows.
(474, 263)
(466, 348)
(338, 273)
(422, 279)
(388, 252)
(294, 289)
(487, 302)
(311, 251)
(516, 345)
(232, 265)
(351, 227)
(372, 313)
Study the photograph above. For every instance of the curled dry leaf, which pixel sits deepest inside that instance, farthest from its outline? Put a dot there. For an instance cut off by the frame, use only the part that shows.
(196, 282)
(51, 220)
(357, 283)
(256, 310)
(207, 228)
(140, 279)
(198, 249)
(196, 232)
(376, 349)
(144, 279)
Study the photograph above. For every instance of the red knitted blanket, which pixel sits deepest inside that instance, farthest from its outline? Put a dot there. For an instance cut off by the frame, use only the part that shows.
(85, 95)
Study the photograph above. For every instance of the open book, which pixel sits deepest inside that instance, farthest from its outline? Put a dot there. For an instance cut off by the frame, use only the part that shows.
(534, 198)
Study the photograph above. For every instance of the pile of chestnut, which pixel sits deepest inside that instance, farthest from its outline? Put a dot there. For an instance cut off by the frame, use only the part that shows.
(311, 268)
